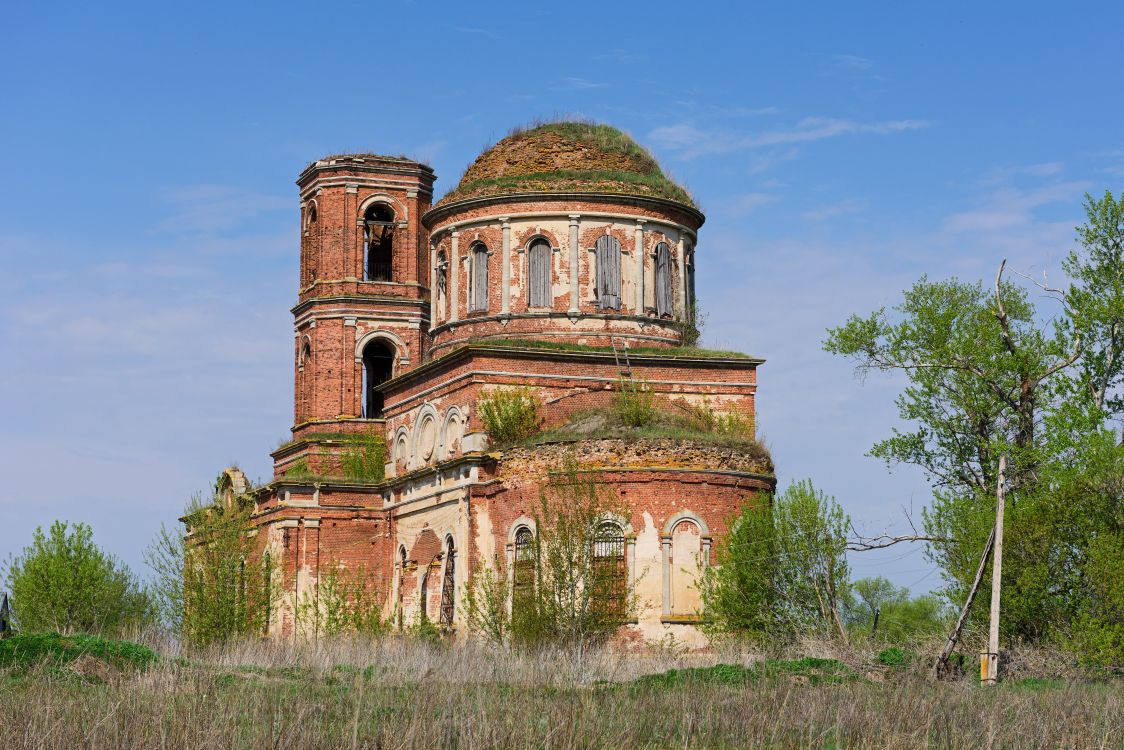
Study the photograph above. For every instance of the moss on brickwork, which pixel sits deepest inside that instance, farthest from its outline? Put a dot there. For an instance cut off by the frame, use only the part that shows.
(567, 157)
(663, 351)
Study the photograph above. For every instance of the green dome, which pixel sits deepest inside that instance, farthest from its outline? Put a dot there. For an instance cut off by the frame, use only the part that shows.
(566, 157)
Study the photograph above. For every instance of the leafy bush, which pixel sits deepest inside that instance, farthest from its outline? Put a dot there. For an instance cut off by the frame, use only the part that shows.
(568, 600)
(509, 414)
(27, 650)
(634, 404)
(63, 582)
(344, 602)
(213, 584)
(895, 657)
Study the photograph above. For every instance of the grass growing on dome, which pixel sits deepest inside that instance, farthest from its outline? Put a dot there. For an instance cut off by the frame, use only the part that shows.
(567, 156)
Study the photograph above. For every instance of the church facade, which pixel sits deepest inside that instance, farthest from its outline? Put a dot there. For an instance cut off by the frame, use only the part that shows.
(562, 265)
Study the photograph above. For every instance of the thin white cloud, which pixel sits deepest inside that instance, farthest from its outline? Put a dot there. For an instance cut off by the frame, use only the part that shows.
(477, 31)
(692, 142)
(747, 203)
(852, 62)
(574, 82)
(217, 208)
(833, 210)
(1009, 208)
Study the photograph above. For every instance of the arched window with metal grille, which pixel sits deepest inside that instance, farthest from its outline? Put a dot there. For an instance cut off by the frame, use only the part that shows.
(608, 253)
(449, 586)
(538, 268)
(609, 571)
(664, 302)
(479, 278)
(523, 570)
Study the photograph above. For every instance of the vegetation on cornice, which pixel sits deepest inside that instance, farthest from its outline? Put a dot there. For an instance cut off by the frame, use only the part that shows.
(567, 157)
(662, 351)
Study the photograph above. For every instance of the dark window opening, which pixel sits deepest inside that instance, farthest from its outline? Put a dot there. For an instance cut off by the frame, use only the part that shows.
(609, 569)
(691, 282)
(378, 242)
(448, 587)
(378, 366)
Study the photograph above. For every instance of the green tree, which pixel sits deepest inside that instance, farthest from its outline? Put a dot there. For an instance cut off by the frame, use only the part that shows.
(214, 583)
(782, 570)
(64, 582)
(987, 378)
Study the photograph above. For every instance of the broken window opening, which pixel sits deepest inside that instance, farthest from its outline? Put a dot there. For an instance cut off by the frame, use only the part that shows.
(378, 366)
(378, 242)
(523, 569)
(449, 587)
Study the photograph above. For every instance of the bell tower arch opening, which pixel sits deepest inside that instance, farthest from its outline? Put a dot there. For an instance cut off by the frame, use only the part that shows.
(378, 367)
(378, 242)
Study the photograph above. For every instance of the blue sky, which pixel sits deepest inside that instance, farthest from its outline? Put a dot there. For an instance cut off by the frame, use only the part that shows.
(148, 217)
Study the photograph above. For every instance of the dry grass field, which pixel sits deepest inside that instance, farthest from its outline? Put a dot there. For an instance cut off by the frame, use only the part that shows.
(402, 694)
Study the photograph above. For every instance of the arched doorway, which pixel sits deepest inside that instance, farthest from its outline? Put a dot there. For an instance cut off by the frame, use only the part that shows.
(378, 367)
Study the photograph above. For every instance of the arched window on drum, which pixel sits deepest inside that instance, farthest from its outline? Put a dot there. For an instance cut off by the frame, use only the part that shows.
(539, 272)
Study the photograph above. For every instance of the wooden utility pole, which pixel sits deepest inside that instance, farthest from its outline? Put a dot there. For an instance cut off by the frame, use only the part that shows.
(989, 663)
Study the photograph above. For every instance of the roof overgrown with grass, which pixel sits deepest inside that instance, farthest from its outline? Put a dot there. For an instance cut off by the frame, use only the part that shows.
(660, 351)
(567, 157)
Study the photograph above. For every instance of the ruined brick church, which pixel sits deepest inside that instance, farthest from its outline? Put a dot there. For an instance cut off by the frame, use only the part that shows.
(563, 262)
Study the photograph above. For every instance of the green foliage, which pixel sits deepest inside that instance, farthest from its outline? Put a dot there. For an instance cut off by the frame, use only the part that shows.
(633, 403)
(509, 414)
(815, 671)
(901, 619)
(705, 418)
(895, 657)
(27, 650)
(568, 599)
(345, 601)
(691, 326)
(214, 584)
(64, 582)
(299, 469)
(782, 569)
(985, 379)
(365, 458)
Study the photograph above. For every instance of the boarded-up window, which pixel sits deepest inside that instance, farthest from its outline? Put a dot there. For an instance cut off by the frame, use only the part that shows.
(686, 568)
(608, 273)
(479, 278)
(690, 261)
(663, 279)
(539, 272)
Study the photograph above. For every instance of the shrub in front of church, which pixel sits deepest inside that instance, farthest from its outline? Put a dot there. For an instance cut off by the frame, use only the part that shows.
(564, 588)
(509, 414)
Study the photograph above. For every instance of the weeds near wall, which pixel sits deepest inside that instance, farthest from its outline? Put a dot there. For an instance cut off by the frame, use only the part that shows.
(691, 326)
(344, 601)
(509, 414)
(705, 418)
(365, 458)
(634, 404)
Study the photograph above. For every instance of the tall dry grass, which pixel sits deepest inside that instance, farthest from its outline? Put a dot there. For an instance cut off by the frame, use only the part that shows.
(397, 694)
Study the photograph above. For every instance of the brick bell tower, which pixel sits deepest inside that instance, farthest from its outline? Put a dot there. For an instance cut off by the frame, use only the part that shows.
(362, 310)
